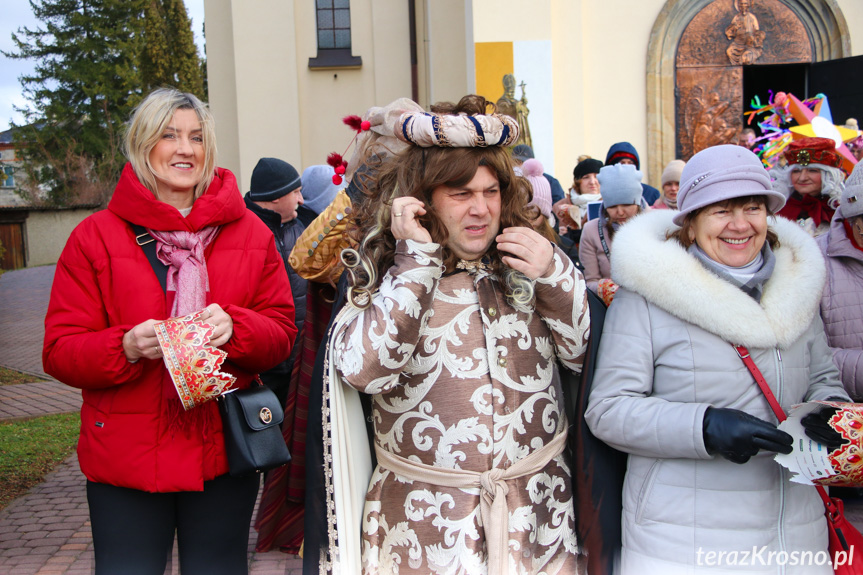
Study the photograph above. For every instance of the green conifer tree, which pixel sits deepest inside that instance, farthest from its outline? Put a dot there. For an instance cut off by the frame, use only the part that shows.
(95, 60)
(170, 57)
(85, 84)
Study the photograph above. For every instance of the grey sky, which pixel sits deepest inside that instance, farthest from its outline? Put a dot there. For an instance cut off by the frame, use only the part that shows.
(15, 14)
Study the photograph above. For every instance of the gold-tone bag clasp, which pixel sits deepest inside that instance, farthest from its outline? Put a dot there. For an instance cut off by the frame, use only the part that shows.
(266, 415)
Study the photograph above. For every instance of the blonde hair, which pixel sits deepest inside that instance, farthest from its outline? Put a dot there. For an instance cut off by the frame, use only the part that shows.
(149, 121)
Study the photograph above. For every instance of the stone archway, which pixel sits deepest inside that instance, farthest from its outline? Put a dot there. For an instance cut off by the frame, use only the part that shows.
(822, 20)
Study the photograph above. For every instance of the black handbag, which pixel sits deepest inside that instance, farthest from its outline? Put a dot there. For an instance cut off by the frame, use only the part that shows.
(252, 425)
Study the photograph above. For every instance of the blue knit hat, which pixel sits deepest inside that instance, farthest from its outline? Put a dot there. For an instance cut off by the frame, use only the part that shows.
(619, 184)
(273, 178)
(621, 150)
(319, 191)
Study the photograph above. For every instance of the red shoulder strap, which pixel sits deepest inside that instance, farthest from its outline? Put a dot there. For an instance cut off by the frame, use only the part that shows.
(777, 409)
(762, 383)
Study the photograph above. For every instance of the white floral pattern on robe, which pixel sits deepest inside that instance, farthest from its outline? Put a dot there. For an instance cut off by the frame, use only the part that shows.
(462, 380)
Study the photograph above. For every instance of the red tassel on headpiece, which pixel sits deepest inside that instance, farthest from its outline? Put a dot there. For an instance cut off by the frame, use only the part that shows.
(354, 122)
(336, 160)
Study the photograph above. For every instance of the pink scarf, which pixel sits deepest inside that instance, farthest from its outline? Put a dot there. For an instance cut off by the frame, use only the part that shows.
(183, 253)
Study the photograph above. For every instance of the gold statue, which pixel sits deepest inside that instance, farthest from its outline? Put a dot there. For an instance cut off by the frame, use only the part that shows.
(516, 109)
(745, 35)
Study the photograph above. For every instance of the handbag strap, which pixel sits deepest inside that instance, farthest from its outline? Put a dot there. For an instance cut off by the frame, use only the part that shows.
(832, 511)
(602, 239)
(762, 383)
(148, 244)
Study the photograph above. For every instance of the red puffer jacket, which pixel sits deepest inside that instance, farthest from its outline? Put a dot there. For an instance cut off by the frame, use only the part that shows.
(132, 432)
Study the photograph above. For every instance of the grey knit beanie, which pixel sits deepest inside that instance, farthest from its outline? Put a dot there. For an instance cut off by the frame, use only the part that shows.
(851, 203)
(619, 184)
(721, 173)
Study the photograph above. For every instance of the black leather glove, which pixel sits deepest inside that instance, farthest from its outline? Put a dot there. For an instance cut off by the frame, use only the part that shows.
(737, 436)
(816, 427)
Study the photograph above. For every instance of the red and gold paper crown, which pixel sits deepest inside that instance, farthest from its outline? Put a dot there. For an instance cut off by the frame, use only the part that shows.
(606, 290)
(813, 151)
(192, 362)
(847, 460)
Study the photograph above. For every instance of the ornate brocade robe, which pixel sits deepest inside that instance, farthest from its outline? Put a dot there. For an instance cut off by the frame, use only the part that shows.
(462, 380)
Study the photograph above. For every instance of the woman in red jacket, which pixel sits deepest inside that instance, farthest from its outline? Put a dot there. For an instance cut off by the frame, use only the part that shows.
(153, 469)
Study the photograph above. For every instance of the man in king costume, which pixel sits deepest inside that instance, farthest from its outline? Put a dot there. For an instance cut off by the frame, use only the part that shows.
(459, 315)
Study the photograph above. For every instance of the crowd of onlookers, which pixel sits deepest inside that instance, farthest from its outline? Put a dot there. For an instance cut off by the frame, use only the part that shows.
(601, 199)
(717, 267)
(724, 258)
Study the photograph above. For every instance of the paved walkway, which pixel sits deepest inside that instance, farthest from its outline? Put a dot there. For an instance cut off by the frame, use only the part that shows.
(47, 531)
(40, 398)
(23, 301)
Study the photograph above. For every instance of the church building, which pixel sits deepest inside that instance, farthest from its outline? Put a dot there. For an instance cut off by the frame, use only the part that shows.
(669, 76)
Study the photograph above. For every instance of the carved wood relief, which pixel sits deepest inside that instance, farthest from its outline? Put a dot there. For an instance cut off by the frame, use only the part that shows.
(710, 104)
(723, 37)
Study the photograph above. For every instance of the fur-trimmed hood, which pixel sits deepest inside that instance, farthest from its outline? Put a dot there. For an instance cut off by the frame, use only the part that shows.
(666, 275)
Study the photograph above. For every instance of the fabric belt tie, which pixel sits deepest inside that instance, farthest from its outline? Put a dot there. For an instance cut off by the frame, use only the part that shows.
(493, 507)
